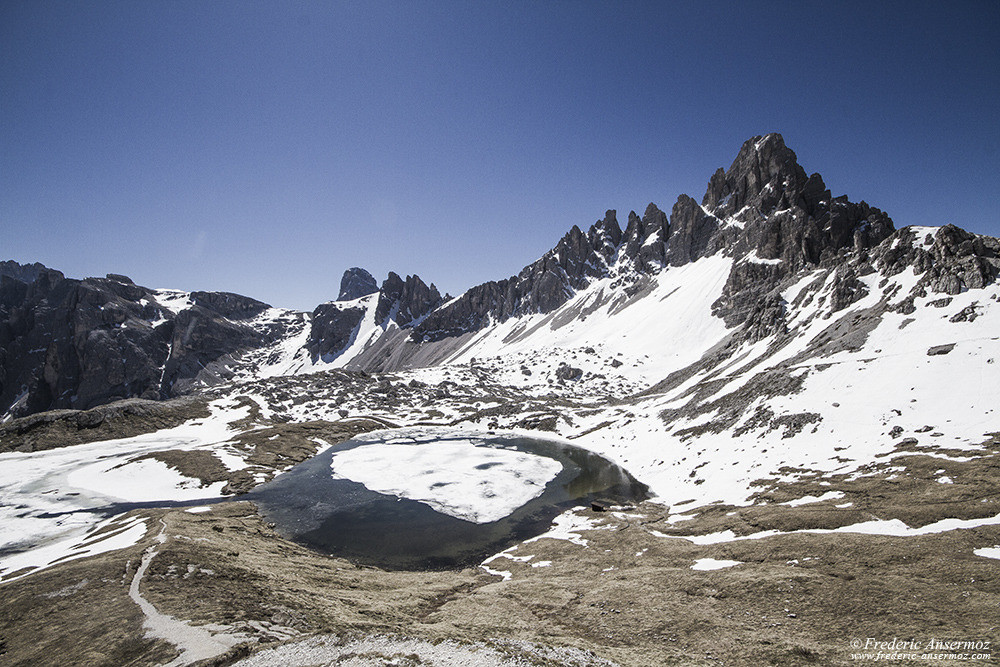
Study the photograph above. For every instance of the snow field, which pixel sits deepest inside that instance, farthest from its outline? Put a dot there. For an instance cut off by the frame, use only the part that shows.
(46, 497)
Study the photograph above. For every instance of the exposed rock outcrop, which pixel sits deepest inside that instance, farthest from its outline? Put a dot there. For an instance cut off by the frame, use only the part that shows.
(25, 273)
(540, 287)
(67, 343)
(950, 260)
(356, 283)
(779, 220)
(334, 328)
(405, 301)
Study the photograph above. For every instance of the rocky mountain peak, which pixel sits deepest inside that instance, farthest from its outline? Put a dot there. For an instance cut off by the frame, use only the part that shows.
(356, 283)
(764, 171)
(644, 241)
(25, 273)
(608, 228)
(405, 300)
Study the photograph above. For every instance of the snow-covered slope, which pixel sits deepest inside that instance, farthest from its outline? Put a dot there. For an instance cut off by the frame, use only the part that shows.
(771, 335)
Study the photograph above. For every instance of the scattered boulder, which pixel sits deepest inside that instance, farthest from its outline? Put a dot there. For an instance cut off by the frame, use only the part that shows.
(568, 373)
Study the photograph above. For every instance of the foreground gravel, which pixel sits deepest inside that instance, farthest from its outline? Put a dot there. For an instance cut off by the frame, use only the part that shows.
(382, 650)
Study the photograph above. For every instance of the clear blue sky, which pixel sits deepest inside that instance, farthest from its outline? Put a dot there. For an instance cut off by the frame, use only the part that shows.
(264, 147)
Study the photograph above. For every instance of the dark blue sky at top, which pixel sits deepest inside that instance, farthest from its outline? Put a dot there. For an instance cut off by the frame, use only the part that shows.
(263, 148)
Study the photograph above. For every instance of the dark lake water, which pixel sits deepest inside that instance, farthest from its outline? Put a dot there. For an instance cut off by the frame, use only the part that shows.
(345, 518)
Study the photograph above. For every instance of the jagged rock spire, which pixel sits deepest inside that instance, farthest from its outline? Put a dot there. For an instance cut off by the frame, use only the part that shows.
(405, 300)
(356, 283)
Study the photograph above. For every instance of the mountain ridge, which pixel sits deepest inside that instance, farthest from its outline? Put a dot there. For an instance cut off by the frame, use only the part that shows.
(763, 214)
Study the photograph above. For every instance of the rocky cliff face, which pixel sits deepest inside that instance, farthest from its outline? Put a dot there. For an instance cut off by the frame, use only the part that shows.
(333, 328)
(763, 207)
(67, 343)
(72, 343)
(335, 325)
(405, 301)
(356, 283)
(25, 273)
(546, 284)
(766, 212)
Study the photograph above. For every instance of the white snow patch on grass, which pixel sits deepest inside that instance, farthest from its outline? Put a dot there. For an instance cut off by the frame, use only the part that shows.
(713, 564)
(805, 500)
(109, 535)
(891, 527)
(988, 552)
(140, 481)
(45, 496)
(568, 526)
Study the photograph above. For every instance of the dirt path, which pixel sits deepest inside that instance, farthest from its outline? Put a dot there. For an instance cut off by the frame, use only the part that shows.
(195, 643)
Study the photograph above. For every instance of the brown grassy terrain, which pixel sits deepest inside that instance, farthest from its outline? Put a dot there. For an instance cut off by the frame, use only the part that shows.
(630, 596)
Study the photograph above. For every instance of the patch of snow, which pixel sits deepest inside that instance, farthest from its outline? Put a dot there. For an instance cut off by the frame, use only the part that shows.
(48, 496)
(140, 481)
(713, 564)
(988, 552)
(753, 258)
(109, 535)
(568, 526)
(891, 527)
(173, 300)
(804, 500)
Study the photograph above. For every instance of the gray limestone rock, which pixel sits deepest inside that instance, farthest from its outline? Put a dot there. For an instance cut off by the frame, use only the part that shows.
(356, 283)
(540, 287)
(231, 306)
(405, 301)
(333, 329)
(67, 343)
(950, 260)
(25, 273)
(566, 372)
(781, 221)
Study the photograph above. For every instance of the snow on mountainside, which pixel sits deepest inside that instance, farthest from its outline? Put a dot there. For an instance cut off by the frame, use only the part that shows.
(772, 361)
(747, 316)
(772, 327)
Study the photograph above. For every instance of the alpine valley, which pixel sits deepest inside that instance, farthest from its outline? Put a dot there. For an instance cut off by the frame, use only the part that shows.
(808, 393)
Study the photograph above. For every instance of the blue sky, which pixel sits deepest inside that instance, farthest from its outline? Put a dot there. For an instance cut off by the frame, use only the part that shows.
(263, 148)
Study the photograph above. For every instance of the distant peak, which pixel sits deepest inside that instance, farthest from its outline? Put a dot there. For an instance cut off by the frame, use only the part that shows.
(356, 283)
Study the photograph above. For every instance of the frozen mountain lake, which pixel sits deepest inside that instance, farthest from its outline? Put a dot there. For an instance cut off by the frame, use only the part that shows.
(436, 498)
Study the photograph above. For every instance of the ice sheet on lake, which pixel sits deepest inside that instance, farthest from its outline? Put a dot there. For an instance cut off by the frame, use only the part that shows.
(479, 484)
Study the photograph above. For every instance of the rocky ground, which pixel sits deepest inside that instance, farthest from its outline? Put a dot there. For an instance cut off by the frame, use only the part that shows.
(792, 577)
(621, 586)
